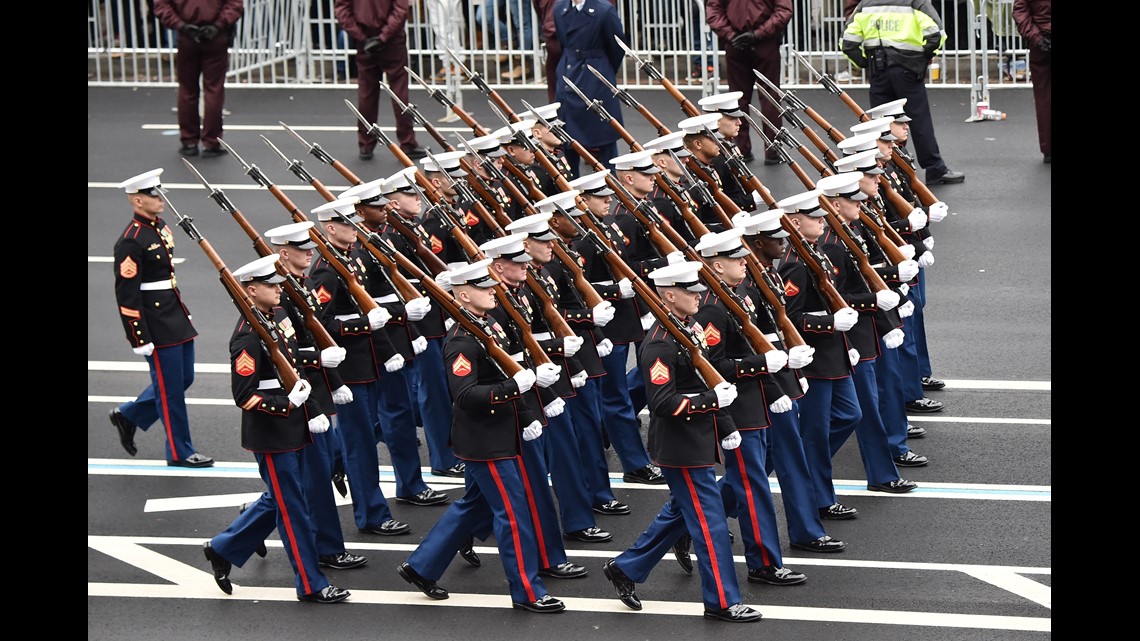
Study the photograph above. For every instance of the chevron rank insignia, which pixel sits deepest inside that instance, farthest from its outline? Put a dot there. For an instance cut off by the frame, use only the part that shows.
(323, 294)
(128, 268)
(659, 373)
(436, 245)
(790, 289)
(712, 335)
(461, 366)
(244, 364)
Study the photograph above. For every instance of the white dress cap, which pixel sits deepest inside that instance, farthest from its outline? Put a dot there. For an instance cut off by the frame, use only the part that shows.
(682, 274)
(674, 141)
(293, 235)
(864, 161)
(723, 243)
(727, 104)
(881, 126)
(369, 193)
(509, 247)
(859, 142)
(449, 160)
(536, 226)
(805, 203)
(892, 108)
(509, 135)
(341, 210)
(262, 270)
(700, 124)
(474, 274)
(639, 161)
(400, 181)
(562, 200)
(146, 183)
(845, 185)
(487, 145)
(593, 184)
(549, 113)
(761, 222)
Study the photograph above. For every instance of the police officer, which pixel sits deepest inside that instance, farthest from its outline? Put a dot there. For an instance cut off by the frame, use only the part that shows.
(157, 324)
(275, 426)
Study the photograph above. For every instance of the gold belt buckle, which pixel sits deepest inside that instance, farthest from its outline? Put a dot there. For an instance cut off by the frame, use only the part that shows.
(173, 282)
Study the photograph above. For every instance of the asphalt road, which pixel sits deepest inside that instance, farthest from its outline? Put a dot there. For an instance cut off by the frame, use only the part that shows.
(966, 556)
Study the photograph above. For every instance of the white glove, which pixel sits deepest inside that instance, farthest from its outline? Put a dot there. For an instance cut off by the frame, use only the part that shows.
(906, 309)
(342, 395)
(800, 356)
(675, 257)
(886, 300)
(318, 424)
(916, 219)
(603, 313)
(937, 211)
(394, 364)
(554, 408)
(144, 350)
(725, 393)
(928, 243)
(419, 345)
(904, 289)
(605, 347)
(804, 384)
(571, 344)
(579, 379)
(378, 317)
(300, 393)
(647, 321)
(845, 319)
(907, 250)
(926, 260)
(908, 269)
(776, 359)
(333, 356)
(853, 355)
(525, 379)
(731, 442)
(626, 288)
(532, 431)
(781, 405)
(547, 374)
(448, 323)
(417, 308)
(443, 279)
(757, 198)
(893, 338)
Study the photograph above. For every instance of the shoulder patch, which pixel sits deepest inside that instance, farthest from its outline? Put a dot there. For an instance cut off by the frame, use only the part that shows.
(128, 268)
(790, 288)
(244, 364)
(470, 219)
(712, 335)
(461, 366)
(436, 245)
(659, 373)
(323, 294)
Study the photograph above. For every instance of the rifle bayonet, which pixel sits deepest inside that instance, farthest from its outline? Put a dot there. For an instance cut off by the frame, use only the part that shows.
(294, 165)
(217, 194)
(373, 128)
(437, 94)
(250, 170)
(315, 149)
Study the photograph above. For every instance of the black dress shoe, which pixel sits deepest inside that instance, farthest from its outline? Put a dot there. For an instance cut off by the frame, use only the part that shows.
(837, 512)
(951, 177)
(910, 459)
(773, 575)
(194, 460)
(338, 481)
(897, 486)
(426, 586)
(565, 570)
(681, 553)
(467, 551)
(824, 544)
(648, 475)
(924, 406)
(1047, 158)
(455, 471)
(545, 605)
(126, 431)
(593, 534)
(427, 497)
(416, 153)
(391, 527)
(331, 594)
(366, 153)
(748, 157)
(221, 568)
(613, 508)
(625, 586)
(773, 161)
(738, 613)
(915, 432)
(210, 152)
(261, 550)
(932, 384)
(342, 561)
(189, 150)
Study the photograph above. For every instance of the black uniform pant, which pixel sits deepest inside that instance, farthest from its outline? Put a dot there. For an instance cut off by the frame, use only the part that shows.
(764, 57)
(897, 82)
(1041, 68)
(208, 61)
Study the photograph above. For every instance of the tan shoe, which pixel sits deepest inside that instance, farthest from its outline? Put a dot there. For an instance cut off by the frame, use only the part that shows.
(515, 72)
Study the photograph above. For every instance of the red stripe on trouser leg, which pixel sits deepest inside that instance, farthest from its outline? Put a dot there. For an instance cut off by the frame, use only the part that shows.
(288, 521)
(491, 465)
(540, 539)
(696, 499)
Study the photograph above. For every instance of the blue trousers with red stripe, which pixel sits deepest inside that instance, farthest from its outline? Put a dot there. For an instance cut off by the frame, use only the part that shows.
(829, 404)
(786, 458)
(396, 428)
(621, 422)
(586, 414)
(428, 383)
(171, 374)
(892, 404)
(878, 464)
(495, 491)
(319, 492)
(564, 460)
(356, 424)
(543, 511)
(695, 506)
(747, 495)
(284, 476)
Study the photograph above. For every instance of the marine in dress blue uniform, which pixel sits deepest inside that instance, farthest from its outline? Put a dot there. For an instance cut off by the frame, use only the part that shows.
(157, 324)
(699, 142)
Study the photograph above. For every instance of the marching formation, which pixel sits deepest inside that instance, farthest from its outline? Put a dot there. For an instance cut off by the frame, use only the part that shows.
(551, 307)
